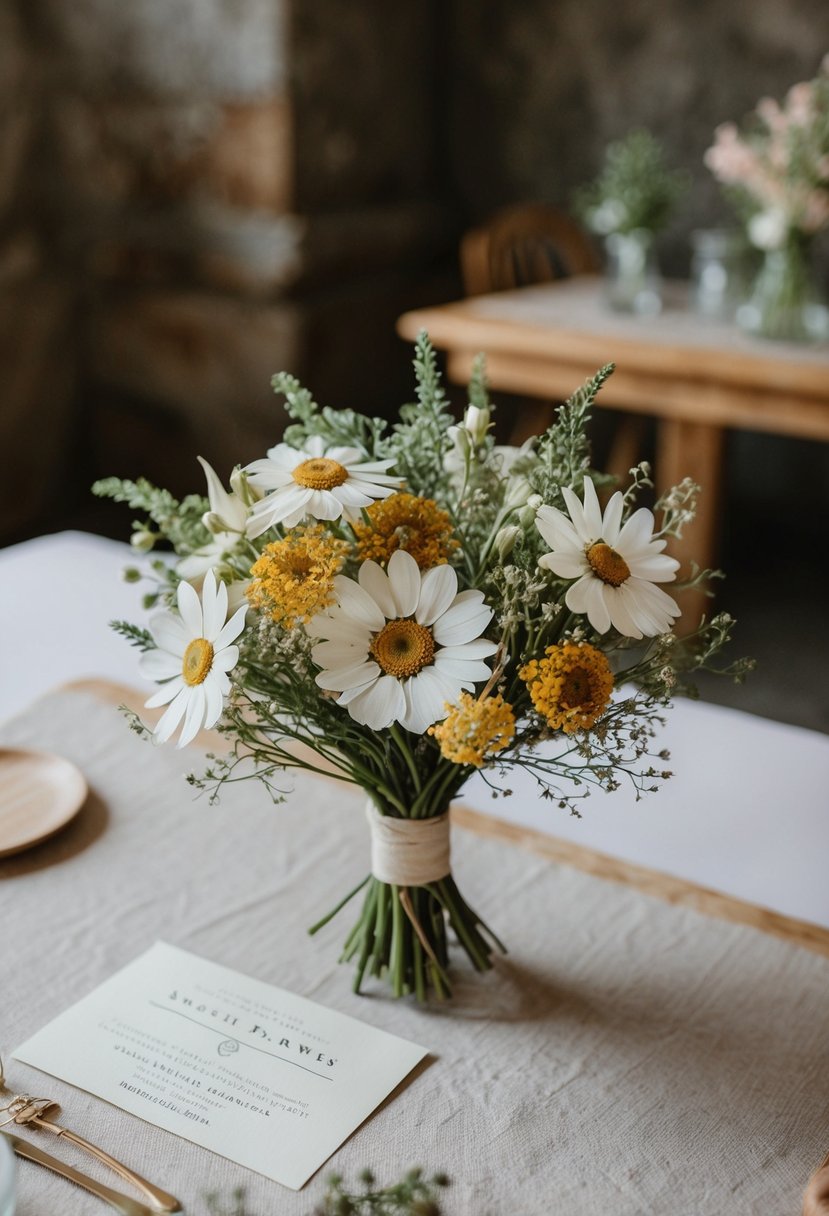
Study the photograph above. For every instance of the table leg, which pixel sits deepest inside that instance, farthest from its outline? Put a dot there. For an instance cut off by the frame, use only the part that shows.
(690, 449)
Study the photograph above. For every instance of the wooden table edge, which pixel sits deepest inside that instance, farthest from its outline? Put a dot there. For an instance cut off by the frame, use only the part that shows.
(677, 891)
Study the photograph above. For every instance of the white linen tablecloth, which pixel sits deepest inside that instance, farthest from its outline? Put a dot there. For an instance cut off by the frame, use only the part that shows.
(627, 1056)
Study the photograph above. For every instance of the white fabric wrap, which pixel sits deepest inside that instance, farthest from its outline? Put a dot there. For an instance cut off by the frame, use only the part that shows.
(408, 852)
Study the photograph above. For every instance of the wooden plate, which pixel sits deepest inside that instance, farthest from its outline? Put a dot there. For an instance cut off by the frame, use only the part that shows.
(39, 794)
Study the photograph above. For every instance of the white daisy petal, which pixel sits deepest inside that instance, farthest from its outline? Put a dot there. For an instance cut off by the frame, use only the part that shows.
(557, 529)
(622, 609)
(565, 565)
(480, 648)
(165, 694)
(194, 717)
(577, 594)
(656, 568)
(342, 678)
(464, 620)
(214, 608)
(426, 699)
(599, 599)
(612, 517)
(323, 504)
(230, 631)
(576, 509)
(357, 603)
(169, 633)
(404, 576)
(380, 704)
(438, 588)
(592, 511)
(345, 456)
(214, 702)
(375, 581)
(470, 671)
(169, 720)
(225, 659)
(336, 626)
(189, 605)
(350, 495)
(159, 665)
(636, 532)
(336, 653)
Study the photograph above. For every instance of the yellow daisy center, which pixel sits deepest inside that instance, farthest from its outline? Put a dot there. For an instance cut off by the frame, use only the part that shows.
(320, 473)
(570, 686)
(607, 564)
(403, 648)
(197, 661)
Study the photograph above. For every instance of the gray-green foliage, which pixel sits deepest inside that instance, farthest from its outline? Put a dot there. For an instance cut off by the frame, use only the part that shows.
(634, 189)
(335, 427)
(180, 523)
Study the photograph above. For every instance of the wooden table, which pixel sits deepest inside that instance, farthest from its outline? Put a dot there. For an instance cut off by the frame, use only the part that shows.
(697, 377)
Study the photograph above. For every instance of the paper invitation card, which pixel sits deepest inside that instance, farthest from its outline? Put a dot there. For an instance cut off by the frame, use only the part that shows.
(270, 1080)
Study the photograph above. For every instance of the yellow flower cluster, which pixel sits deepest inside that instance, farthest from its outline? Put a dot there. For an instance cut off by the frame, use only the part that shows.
(570, 686)
(293, 578)
(404, 521)
(475, 730)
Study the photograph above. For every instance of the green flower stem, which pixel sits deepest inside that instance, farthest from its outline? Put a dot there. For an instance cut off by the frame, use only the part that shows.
(330, 915)
(387, 942)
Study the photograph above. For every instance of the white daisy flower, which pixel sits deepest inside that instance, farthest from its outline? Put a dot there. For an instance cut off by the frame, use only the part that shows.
(399, 646)
(615, 565)
(318, 481)
(227, 521)
(193, 656)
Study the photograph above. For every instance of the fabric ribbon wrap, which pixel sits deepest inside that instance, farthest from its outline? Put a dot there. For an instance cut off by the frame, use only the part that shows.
(408, 852)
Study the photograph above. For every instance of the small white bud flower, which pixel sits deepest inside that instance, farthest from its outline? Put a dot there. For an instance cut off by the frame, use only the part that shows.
(143, 540)
(476, 423)
(505, 540)
(535, 501)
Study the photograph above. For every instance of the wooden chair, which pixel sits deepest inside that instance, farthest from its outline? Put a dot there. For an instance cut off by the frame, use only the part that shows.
(530, 243)
(521, 245)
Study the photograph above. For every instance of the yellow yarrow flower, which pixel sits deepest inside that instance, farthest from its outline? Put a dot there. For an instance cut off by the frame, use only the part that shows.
(475, 730)
(417, 525)
(570, 686)
(293, 579)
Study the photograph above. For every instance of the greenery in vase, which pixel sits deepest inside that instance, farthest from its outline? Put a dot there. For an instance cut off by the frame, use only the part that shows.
(635, 189)
(407, 605)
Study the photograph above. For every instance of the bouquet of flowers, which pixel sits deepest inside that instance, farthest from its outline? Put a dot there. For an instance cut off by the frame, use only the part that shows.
(777, 167)
(404, 606)
(777, 172)
(635, 190)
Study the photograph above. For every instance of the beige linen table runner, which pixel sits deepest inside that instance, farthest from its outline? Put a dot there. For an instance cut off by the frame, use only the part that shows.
(628, 1056)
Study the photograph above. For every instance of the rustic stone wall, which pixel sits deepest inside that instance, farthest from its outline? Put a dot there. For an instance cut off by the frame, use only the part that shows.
(204, 178)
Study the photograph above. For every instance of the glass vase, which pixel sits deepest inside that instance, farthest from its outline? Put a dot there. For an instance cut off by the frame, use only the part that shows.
(785, 304)
(633, 282)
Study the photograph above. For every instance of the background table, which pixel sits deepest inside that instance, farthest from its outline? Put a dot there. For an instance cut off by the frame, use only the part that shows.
(694, 375)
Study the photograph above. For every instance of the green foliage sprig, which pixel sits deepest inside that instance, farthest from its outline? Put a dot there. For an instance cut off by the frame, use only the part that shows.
(634, 189)
(180, 523)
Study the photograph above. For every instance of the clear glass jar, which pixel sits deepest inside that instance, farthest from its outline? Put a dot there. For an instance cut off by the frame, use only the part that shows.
(8, 1171)
(785, 303)
(717, 272)
(632, 275)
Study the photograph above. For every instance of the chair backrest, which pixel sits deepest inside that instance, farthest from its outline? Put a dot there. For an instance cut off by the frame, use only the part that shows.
(524, 244)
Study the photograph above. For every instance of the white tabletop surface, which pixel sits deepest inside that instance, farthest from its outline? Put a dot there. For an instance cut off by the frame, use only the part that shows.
(746, 812)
